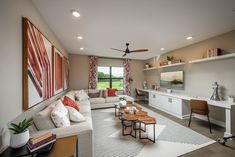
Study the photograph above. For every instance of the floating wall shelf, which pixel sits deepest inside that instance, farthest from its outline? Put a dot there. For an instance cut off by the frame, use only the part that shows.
(171, 65)
(152, 68)
(232, 55)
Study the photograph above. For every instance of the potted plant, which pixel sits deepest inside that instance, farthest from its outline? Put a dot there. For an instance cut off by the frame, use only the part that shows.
(122, 101)
(170, 59)
(19, 133)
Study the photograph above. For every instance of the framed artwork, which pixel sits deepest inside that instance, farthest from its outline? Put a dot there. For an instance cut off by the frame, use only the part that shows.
(37, 66)
(65, 73)
(58, 76)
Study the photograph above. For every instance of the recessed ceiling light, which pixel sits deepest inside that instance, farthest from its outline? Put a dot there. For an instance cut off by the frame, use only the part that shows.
(189, 38)
(75, 13)
(81, 48)
(162, 49)
(80, 37)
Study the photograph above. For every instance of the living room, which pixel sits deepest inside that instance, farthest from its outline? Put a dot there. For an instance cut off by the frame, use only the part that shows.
(135, 69)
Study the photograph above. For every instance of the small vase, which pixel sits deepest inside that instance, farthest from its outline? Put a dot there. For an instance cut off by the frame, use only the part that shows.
(19, 140)
(169, 62)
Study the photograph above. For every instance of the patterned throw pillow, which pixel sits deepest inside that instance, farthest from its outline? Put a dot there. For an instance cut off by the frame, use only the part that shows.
(112, 91)
(69, 102)
(59, 115)
(74, 115)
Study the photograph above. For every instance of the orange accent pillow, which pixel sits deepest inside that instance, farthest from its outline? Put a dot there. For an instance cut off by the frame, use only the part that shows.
(112, 92)
(69, 102)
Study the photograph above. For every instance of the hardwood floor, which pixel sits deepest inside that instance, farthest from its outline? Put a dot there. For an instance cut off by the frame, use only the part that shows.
(213, 150)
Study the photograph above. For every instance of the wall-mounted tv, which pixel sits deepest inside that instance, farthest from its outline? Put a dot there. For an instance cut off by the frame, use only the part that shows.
(174, 80)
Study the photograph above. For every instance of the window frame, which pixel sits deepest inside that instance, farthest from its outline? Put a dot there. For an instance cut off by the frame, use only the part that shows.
(110, 78)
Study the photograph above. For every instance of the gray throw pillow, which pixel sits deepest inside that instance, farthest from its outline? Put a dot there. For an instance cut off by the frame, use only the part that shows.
(94, 95)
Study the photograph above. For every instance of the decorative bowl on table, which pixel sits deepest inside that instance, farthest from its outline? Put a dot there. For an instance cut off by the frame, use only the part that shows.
(131, 110)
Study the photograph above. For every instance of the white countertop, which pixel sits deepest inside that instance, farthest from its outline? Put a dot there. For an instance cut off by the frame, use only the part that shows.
(185, 96)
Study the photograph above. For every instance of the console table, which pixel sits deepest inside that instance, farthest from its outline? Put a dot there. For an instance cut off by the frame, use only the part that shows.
(64, 147)
(181, 109)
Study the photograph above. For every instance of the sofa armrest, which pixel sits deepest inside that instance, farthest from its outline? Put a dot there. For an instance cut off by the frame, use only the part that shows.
(75, 129)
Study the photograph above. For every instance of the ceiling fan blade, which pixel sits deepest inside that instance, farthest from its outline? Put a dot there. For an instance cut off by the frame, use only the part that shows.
(117, 50)
(124, 55)
(140, 50)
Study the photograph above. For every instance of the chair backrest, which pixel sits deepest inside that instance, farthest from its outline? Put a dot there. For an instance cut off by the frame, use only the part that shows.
(137, 92)
(199, 107)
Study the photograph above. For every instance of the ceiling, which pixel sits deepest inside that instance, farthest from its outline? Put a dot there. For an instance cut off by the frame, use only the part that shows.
(151, 24)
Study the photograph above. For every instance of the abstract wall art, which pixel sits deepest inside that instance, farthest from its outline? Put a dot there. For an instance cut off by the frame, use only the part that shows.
(65, 73)
(58, 76)
(37, 66)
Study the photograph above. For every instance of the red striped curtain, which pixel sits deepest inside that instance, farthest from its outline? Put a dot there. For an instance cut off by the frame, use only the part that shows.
(127, 87)
(93, 67)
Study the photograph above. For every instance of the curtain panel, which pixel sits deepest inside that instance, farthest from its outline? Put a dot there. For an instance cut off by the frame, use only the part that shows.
(127, 87)
(93, 68)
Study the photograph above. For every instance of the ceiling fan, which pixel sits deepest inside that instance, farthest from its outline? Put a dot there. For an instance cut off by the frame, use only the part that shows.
(127, 51)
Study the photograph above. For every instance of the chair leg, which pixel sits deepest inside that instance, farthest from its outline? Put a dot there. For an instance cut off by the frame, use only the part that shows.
(190, 118)
(209, 122)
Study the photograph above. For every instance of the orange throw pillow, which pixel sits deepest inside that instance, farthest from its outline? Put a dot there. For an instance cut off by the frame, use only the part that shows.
(69, 102)
(111, 92)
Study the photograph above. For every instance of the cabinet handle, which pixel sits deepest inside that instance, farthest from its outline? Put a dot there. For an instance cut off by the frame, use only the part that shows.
(170, 100)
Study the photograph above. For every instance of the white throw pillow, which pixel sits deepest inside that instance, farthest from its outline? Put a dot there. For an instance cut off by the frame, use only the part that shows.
(74, 115)
(60, 116)
(81, 95)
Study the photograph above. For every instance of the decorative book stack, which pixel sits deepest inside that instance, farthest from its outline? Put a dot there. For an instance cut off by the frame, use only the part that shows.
(41, 141)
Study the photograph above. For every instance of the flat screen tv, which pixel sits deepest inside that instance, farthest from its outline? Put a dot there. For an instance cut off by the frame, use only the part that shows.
(173, 80)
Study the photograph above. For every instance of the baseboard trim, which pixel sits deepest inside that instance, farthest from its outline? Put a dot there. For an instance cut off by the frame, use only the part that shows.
(214, 121)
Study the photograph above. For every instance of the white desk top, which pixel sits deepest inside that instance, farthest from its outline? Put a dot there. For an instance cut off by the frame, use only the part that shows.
(184, 96)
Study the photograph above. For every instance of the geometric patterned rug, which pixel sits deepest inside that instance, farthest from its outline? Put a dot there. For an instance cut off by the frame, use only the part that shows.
(172, 139)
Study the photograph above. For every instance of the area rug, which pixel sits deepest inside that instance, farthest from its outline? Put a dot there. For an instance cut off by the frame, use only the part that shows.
(172, 139)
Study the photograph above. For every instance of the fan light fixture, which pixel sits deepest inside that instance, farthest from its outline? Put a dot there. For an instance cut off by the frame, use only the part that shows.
(189, 38)
(75, 13)
(79, 37)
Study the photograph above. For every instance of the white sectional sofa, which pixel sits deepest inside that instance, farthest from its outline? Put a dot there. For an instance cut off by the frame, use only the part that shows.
(84, 130)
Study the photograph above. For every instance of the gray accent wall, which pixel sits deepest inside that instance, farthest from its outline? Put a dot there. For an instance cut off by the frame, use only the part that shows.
(200, 77)
(11, 92)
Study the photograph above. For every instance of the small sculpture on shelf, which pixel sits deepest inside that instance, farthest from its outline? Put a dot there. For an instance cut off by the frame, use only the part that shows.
(147, 65)
(215, 95)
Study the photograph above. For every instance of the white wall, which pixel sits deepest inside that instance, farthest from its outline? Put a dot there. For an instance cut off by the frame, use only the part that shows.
(200, 77)
(11, 13)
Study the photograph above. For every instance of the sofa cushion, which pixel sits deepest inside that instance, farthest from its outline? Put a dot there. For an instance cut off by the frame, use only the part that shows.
(81, 95)
(70, 94)
(112, 92)
(94, 95)
(60, 116)
(112, 99)
(74, 115)
(69, 102)
(42, 119)
(84, 106)
(97, 100)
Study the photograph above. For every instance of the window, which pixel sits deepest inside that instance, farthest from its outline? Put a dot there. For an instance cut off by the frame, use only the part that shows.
(110, 77)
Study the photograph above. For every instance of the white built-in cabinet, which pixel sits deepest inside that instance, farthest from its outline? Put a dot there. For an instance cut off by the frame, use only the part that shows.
(175, 106)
